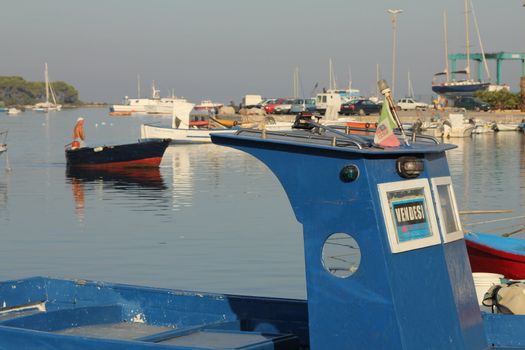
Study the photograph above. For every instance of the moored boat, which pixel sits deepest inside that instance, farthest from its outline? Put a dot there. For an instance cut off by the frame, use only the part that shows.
(13, 111)
(496, 254)
(505, 127)
(146, 153)
(122, 113)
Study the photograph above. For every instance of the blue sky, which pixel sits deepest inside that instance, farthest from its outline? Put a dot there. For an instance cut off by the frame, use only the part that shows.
(224, 49)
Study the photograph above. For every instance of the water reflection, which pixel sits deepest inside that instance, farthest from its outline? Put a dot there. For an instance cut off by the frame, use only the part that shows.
(483, 169)
(182, 179)
(146, 184)
(3, 194)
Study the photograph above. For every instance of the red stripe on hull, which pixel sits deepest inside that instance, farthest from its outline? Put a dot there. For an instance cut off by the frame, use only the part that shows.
(487, 259)
(140, 163)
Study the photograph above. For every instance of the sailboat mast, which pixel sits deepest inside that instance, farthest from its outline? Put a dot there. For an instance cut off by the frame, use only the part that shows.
(467, 37)
(377, 79)
(410, 92)
(295, 89)
(349, 78)
(445, 34)
(46, 78)
(330, 73)
(484, 59)
(138, 85)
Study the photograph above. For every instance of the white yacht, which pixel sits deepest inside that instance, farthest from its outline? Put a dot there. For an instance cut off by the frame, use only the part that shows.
(168, 104)
(137, 105)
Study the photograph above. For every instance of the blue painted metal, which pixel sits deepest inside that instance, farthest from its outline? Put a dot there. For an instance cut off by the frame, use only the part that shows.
(391, 302)
(417, 298)
(498, 56)
(504, 244)
(170, 315)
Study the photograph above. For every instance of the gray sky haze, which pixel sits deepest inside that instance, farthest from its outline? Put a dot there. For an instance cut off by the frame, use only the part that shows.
(222, 50)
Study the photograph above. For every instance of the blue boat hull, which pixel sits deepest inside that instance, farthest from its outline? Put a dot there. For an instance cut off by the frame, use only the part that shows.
(458, 89)
(44, 313)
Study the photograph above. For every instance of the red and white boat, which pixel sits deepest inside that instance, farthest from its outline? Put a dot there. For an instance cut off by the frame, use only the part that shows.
(496, 254)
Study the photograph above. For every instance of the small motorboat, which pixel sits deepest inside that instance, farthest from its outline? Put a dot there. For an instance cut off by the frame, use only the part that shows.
(145, 153)
(505, 127)
(13, 111)
(496, 254)
(119, 113)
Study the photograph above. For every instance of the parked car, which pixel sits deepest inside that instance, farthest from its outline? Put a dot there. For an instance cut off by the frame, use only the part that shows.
(406, 104)
(284, 107)
(265, 102)
(471, 103)
(269, 108)
(361, 107)
(303, 105)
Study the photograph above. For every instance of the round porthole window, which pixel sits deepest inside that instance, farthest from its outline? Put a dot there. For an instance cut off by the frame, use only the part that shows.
(341, 255)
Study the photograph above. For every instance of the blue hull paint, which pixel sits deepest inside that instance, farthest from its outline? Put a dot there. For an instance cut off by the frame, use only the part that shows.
(97, 315)
(458, 90)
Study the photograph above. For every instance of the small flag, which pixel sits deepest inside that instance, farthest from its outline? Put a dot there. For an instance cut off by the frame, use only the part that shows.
(384, 135)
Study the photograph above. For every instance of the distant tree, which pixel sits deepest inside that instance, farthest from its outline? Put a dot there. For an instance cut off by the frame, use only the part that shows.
(15, 90)
(502, 99)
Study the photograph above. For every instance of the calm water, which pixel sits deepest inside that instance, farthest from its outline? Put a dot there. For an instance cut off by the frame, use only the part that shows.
(211, 219)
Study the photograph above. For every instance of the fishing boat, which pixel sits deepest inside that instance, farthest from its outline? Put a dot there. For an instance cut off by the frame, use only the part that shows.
(145, 153)
(496, 254)
(385, 260)
(457, 127)
(48, 106)
(505, 127)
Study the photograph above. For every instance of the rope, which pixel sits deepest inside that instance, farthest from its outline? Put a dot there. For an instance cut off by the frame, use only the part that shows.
(508, 234)
(495, 220)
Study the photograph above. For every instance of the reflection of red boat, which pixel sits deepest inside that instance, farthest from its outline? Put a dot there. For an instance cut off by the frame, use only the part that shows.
(141, 154)
(143, 177)
(491, 253)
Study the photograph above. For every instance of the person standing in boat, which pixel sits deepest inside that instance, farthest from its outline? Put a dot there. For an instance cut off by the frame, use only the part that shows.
(78, 134)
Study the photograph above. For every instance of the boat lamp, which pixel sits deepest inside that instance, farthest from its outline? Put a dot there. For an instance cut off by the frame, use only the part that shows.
(349, 173)
(409, 167)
